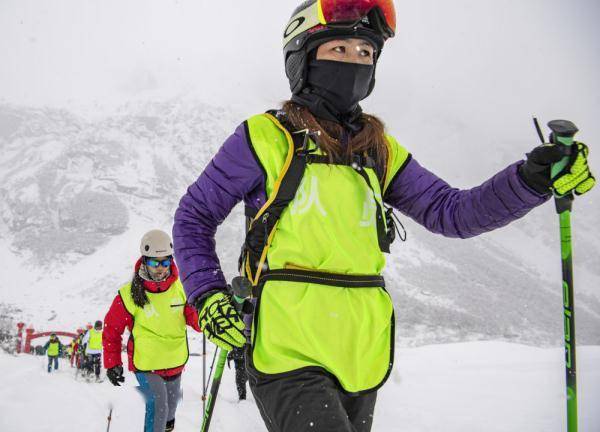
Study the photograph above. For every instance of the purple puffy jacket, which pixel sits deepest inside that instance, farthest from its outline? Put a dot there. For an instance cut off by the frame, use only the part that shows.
(233, 175)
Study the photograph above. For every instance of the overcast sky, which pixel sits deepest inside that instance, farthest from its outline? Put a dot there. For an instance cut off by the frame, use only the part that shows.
(476, 68)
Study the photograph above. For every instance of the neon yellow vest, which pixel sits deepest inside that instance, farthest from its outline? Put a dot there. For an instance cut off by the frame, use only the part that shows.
(95, 341)
(329, 227)
(53, 349)
(159, 328)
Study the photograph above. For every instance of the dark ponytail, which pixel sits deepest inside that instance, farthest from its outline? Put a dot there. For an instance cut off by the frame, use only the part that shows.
(138, 292)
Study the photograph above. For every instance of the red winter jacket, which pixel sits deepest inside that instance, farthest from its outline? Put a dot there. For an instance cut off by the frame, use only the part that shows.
(117, 319)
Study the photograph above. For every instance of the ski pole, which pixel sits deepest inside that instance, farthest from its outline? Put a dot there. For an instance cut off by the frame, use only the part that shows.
(109, 419)
(203, 372)
(241, 291)
(214, 390)
(563, 132)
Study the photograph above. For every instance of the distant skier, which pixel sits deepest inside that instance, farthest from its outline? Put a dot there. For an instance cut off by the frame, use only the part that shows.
(53, 349)
(73, 353)
(316, 176)
(153, 307)
(92, 341)
(241, 376)
(70, 351)
(79, 352)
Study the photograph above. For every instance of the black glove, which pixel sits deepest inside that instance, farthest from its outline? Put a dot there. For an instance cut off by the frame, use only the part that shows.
(535, 172)
(115, 375)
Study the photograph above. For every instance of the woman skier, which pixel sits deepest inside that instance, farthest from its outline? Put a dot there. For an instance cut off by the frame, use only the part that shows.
(314, 177)
(153, 307)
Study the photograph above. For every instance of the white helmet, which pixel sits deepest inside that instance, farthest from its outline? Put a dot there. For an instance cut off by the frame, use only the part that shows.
(156, 243)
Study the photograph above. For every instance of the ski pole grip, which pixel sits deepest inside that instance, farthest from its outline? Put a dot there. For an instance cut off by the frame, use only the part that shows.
(242, 288)
(563, 132)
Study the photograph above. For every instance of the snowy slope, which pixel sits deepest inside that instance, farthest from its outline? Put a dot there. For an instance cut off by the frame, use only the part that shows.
(470, 387)
(77, 194)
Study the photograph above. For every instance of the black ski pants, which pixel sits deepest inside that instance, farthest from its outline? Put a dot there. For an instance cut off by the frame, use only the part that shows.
(241, 376)
(311, 401)
(95, 364)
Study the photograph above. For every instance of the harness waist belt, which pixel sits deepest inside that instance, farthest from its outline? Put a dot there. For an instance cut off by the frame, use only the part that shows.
(324, 278)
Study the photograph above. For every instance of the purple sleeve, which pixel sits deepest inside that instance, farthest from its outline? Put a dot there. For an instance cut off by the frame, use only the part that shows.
(445, 210)
(231, 176)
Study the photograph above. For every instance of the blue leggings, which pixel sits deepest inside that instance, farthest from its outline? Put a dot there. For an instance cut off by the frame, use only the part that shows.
(162, 396)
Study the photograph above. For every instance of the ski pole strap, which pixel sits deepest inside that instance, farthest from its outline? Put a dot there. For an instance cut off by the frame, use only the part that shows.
(324, 278)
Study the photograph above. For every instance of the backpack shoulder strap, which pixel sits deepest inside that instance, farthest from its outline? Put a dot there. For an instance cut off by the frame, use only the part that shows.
(261, 226)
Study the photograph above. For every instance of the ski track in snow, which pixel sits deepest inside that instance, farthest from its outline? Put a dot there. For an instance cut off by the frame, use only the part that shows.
(465, 387)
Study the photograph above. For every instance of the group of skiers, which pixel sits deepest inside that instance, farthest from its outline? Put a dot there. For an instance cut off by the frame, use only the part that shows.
(84, 351)
(318, 178)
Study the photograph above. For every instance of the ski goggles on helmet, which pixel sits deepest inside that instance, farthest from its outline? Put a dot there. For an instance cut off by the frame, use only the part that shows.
(150, 262)
(377, 15)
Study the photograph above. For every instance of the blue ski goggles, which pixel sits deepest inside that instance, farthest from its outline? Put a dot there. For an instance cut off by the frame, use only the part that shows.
(155, 263)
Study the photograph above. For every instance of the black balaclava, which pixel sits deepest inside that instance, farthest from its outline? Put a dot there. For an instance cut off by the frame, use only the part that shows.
(334, 90)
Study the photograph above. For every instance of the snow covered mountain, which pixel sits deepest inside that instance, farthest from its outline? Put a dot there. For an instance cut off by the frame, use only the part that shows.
(77, 194)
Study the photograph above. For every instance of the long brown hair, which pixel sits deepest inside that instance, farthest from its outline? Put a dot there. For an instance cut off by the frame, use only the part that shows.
(138, 292)
(370, 140)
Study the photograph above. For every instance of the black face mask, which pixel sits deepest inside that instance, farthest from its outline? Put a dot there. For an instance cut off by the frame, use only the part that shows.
(342, 85)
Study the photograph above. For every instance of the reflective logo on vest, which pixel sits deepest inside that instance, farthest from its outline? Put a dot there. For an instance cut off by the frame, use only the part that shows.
(306, 197)
(369, 209)
(150, 311)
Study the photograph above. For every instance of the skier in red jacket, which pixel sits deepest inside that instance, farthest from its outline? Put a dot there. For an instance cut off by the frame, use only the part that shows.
(153, 308)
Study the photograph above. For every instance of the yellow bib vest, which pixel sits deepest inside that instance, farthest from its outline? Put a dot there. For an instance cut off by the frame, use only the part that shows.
(53, 349)
(319, 303)
(95, 341)
(159, 328)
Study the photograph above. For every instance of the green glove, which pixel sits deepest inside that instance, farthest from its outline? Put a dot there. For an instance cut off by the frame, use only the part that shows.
(221, 323)
(576, 176)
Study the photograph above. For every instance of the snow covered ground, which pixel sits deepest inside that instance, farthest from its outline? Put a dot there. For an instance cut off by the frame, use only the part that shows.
(466, 387)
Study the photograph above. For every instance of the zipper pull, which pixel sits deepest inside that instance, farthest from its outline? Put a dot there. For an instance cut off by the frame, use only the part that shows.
(265, 222)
